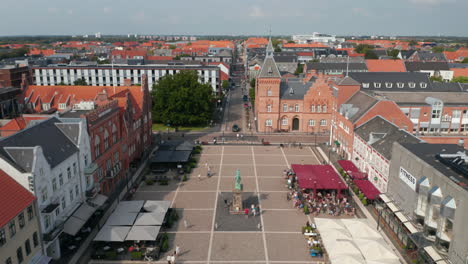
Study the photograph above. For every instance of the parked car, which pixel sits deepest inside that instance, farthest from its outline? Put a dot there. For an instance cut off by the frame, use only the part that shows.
(245, 98)
(235, 128)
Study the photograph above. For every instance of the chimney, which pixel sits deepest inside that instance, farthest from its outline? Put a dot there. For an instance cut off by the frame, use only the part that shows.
(24, 82)
(127, 82)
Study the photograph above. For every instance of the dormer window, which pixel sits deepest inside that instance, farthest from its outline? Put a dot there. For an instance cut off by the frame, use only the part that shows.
(62, 106)
(270, 71)
(377, 85)
(412, 85)
(291, 91)
(388, 85)
(269, 92)
(423, 85)
(400, 85)
(365, 85)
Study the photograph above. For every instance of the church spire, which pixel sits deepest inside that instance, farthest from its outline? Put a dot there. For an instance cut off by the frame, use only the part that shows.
(269, 49)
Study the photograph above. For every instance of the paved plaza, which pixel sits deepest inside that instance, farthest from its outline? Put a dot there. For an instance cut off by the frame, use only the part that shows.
(214, 236)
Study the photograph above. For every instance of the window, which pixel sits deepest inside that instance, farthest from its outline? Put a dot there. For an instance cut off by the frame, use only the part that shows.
(423, 85)
(319, 108)
(54, 184)
(69, 173)
(116, 157)
(269, 92)
(97, 142)
(269, 108)
(30, 212)
(71, 196)
(114, 134)
(456, 114)
(21, 220)
(27, 247)
(268, 122)
(74, 168)
(285, 107)
(377, 85)
(64, 203)
(284, 121)
(12, 228)
(312, 108)
(19, 254)
(44, 194)
(436, 110)
(365, 85)
(412, 85)
(85, 160)
(323, 122)
(61, 179)
(400, 85)
(324, 108)
(388, 85)
(311, 122)
(77, 192)
(2, 237)
(106, 139)
(296, 108)
(57, 211)
(35, 239)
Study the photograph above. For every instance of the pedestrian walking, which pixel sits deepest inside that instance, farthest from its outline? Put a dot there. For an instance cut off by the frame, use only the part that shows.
(206, 164)
(177, 250)
(199, 177)
(173, 259)
(246, 211)
(169, 259)
(185, 224)
(258, 209)
(242, 136)
(237, 136)
(226, 202)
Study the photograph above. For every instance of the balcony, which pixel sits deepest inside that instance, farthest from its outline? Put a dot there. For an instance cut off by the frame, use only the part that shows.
(49, 236)
(93, 191)
(110, 174)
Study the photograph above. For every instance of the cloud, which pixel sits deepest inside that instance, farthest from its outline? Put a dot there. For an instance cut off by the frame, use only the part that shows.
(431, 2)
(107, 10)
(256, 12)
(360, 11)
(52, 10)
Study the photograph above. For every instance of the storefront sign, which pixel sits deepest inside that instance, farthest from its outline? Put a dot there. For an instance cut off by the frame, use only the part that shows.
(408, 178)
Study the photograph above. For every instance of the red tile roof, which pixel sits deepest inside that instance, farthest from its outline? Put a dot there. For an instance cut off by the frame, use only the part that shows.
(457, 72)
(14, 198)
(310, 45)
(386, 66)
(160, 58)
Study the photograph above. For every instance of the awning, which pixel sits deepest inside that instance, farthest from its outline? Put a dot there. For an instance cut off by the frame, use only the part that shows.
(84, 212)
(73, 225)
(129, 206)
(445, 125)
(393, 207)
(321, 177)
(150, 219)
(423, 124)
(112, 233)
(157, 206)
(455, 125)
(99, 200)
(367, 188)
(411, 227)
(430, 250)
(121, 219)
(351, 169)
(385, 198)
(401, 217)
(143, 233)
(40, 259)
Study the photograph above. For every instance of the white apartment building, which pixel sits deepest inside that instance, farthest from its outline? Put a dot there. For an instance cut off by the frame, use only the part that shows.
(108, 75)
(316, 37)
(45, 159)
(372, 149)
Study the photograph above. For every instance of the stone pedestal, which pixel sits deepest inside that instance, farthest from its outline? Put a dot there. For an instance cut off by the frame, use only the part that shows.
(236, 206)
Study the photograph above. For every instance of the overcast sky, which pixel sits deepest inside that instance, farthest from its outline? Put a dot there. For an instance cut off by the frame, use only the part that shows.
(233, 17)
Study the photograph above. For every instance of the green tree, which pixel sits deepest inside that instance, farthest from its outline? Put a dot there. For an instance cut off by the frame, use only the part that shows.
(172, 46)
(299, 69)
(362, 48)
(393, 53)
(80, 82)
(225, 84)
(252, 95)
(180, 100)
(437, 49)
(465, 60)
(290, 41)
(460, 79)
(370, 55)
(413, 43)
(277, 49)
(436, 78)
(252, 83)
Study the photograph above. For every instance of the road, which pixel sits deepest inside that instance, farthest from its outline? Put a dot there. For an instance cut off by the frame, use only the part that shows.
(235, 113)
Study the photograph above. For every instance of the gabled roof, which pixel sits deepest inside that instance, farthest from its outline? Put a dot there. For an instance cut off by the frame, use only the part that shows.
(15, 198)
(429, 56)
(269, 68)
(356, 106)
(55, 145)
(294, 88)
(386, 66)
(372, 80)
(380, 134)
(426, 66)
(336, 66)
(348, 81)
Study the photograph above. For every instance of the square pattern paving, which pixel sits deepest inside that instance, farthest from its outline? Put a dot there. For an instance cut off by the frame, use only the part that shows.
(206, 232)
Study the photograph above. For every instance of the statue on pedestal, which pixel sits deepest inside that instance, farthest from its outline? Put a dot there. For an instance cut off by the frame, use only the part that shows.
(236, 207)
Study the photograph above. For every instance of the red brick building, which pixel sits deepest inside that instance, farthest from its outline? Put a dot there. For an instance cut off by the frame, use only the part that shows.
(291, 104)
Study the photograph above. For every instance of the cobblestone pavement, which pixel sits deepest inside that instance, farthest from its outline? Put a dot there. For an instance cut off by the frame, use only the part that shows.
(213, 236)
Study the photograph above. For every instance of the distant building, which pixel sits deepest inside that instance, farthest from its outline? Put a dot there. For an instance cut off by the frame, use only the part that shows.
(11, 75)
(316, 37)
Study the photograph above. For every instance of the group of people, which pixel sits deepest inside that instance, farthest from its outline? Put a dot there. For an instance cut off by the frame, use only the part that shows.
(254, 211)
(325, 202)
(171, 259)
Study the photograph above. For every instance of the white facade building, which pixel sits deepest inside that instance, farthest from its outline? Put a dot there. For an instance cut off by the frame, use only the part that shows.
(316, 37)
(108, 75)
(45, 159)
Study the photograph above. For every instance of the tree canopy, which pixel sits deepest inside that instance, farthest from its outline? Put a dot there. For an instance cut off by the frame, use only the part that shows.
(370, 55)
(180, 100)
(393, 53)
(299, 69)
(81, 82)
(362, 48)
(460, 79)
